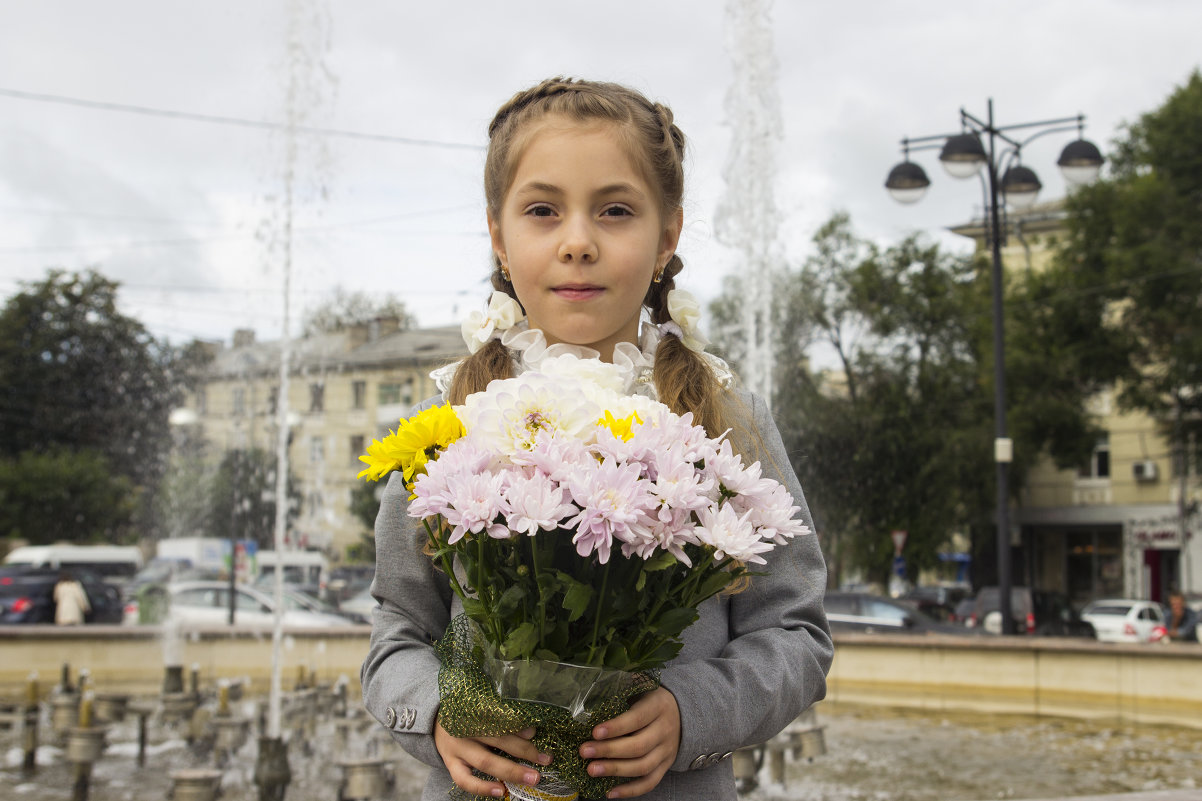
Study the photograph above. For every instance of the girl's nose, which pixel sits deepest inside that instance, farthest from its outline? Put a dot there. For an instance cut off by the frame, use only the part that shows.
(578, 243)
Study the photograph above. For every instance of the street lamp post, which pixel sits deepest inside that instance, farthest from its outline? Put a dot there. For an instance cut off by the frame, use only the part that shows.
(962, 155)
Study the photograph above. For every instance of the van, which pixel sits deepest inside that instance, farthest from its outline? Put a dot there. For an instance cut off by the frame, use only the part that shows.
(113, 563)
(307, 571)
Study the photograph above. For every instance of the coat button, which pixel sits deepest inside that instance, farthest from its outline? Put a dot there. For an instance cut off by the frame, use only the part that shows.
(390, 718)
(698, 763)
(726, 756)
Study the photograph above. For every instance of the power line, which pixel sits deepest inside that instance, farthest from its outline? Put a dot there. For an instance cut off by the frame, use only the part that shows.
(222, 120)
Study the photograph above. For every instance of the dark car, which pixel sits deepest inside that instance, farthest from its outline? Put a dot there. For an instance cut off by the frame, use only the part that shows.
(937, 602)
(27, 596)
(860, 611)
(1039, 612)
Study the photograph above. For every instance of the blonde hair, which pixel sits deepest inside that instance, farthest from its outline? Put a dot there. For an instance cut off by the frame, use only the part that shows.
(684, 380)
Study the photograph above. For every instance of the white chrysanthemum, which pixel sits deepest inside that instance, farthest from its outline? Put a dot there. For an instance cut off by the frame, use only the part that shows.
(602, 382)
(508, 416)
(731, 534)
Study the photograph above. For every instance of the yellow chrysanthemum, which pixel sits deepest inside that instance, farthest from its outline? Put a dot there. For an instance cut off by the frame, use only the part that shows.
(622, 428)
(415, 442)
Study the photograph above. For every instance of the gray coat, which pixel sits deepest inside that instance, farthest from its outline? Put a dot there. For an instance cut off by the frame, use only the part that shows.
(750, 665)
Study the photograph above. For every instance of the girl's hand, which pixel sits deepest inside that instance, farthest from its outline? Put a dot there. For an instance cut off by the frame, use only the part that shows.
(463, 754)
(641, 742)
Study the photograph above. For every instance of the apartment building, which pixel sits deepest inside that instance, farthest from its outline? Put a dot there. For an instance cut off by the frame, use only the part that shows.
(1123, 525)
(345, 388)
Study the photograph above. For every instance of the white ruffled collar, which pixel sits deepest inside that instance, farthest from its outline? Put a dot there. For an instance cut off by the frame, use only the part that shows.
(635, 363)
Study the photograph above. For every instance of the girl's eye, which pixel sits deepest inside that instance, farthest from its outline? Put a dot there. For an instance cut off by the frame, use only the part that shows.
(616, 211)
(540, 211)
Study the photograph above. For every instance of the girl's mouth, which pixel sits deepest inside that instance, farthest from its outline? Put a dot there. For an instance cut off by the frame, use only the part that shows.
(577, 291)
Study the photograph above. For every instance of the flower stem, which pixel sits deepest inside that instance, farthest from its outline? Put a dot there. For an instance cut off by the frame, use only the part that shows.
(542, 602)
(597, 619)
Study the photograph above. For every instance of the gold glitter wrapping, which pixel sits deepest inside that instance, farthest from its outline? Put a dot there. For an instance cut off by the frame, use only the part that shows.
(471, 707)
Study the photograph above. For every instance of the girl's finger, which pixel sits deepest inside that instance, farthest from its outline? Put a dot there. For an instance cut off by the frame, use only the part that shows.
(518, 747)
(464, 779)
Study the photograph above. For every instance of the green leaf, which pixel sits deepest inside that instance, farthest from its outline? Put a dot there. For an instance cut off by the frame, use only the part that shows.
(511, 599)
(674, 621)
(475, 609)
(616, 657)
(714, 584)
(661, 561)
(521, 642)
(577, 599)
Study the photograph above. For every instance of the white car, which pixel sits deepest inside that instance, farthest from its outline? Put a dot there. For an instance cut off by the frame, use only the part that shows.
(1125, 620)
(206, 604)
(361, 603)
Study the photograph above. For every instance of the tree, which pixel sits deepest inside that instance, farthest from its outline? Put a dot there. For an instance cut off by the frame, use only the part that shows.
(59, 494)
(344, 309)
(365, 505)
(78, 376)
(1134, 251)
(894, 428)
(243, 498)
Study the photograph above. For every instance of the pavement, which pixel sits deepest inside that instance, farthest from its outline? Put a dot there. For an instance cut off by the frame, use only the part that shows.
(1148, 795)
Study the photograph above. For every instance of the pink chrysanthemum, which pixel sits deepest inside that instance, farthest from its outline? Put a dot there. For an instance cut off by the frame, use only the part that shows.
(614, 504)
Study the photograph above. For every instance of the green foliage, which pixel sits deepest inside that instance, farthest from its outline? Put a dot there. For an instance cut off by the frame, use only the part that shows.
(536, 598)
(1135, 249)
(60, 494)
(894, 430)
(344, 309)
(365, 505)
(243, 498)
(77, 375)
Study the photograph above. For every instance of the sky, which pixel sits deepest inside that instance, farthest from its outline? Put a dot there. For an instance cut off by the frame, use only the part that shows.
(188, 214)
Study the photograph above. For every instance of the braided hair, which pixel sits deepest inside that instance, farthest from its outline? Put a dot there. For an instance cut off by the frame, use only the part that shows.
(656, 146)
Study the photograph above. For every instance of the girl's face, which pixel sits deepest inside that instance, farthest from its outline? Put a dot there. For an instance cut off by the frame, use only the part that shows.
(581, 233)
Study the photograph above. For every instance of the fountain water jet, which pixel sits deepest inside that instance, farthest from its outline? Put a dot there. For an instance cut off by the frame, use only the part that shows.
(747, 218)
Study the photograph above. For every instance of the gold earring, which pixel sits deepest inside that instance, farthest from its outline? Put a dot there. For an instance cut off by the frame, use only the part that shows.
(659, 275)
(505, 274)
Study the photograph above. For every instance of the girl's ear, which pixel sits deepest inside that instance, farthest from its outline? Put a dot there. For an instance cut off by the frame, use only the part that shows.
(498, 244)
(671, 237)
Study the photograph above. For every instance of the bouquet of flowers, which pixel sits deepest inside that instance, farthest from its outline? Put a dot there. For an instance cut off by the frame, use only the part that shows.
(581, 528)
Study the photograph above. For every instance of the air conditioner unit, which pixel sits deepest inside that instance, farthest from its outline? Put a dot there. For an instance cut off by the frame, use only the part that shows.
(1145, 470)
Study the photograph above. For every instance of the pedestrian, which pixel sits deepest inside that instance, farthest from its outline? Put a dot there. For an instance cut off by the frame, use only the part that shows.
(584, 190)
(1182, 622)
(70, 601)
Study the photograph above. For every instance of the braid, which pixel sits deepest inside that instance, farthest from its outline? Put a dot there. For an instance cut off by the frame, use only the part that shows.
(527, 97)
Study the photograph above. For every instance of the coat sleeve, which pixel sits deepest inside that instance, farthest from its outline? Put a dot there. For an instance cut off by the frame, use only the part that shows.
(779, 651)
(400, 673)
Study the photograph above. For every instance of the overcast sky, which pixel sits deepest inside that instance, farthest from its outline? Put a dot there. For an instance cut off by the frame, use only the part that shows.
(176, 209)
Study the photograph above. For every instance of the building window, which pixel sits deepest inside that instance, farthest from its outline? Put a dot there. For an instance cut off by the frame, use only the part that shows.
(317, 449)
(359, 390)
(407, 392)
(357, 447)
(202, 400)
(1099, 461)
(239, 401)
(273, 400)
(389, 394)
(317, 397)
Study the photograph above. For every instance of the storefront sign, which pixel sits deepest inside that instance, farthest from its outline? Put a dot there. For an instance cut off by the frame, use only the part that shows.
(1157, 533)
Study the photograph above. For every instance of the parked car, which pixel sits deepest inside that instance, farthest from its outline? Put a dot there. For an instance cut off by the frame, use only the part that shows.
(195, 604)
(1125, 620)
(347, 581)
(861, 611)
(27, 595)
(938, 602)
(1038, 612)
(361, 603)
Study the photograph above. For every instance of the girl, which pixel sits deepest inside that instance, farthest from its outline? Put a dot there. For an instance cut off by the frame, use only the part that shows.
(584, 185)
